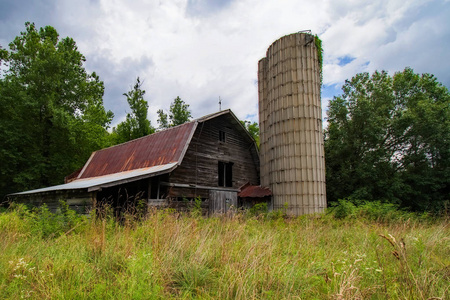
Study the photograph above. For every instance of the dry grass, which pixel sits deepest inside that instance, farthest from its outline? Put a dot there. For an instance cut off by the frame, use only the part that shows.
(172, 256)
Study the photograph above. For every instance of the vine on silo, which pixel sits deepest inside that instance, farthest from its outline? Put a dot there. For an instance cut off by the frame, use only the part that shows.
(319, 48)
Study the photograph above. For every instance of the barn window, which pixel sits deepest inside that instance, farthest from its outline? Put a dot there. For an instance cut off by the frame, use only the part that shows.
(222, 136)
(225, 172)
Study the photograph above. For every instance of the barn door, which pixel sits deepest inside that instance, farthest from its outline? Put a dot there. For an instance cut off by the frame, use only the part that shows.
(221, 201)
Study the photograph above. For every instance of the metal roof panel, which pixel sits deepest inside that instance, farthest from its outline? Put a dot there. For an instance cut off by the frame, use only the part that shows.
(96, 183)
(160, 148)
(254, 191)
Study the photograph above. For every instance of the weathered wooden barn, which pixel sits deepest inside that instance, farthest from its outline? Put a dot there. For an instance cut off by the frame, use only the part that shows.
(209, 158)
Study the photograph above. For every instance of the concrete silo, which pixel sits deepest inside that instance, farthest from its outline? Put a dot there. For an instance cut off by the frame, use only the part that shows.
(290, 116)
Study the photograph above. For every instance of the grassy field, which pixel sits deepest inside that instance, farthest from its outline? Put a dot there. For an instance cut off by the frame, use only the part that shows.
(170, 256)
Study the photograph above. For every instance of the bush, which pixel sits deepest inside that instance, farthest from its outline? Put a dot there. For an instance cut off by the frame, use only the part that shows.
(43, 222)
(54, 224)
(258, 209)
(343, 209)
(378, 211)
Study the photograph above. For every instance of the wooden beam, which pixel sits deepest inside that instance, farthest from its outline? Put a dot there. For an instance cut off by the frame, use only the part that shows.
(194, 186)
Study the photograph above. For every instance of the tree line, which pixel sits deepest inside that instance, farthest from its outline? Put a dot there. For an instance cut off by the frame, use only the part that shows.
(52, 115)
(387, 137)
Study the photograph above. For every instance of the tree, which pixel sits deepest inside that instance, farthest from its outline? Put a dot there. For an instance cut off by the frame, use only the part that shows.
(52, 115)
(162, 119)
(253, 129)
(388, 139)
(136, 124)
(179, 114)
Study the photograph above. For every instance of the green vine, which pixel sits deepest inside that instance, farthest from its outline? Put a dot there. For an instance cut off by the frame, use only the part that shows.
(319, 48)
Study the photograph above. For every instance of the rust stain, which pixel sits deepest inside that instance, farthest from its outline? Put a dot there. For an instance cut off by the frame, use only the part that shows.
(156, 149)
(254, 191)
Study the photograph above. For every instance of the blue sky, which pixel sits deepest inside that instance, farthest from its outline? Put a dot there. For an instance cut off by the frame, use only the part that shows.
(202, 50)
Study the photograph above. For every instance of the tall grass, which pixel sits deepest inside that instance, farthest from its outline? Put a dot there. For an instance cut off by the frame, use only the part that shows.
(165, 255)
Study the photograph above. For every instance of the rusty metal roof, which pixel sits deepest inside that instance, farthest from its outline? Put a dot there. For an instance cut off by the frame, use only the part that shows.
(160, 148)
(254, 191)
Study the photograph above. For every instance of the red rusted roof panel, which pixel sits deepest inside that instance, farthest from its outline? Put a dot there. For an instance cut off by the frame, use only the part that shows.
(163, 147)
(254, 191)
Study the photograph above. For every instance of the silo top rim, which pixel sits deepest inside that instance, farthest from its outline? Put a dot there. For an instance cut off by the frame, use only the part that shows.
(302, 32)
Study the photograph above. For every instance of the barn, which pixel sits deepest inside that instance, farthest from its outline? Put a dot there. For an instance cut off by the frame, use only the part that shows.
(209, 158)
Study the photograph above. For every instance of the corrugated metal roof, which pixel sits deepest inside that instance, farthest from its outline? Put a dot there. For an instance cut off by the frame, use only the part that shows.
(160, 148)
(96, 183)
(254, 191)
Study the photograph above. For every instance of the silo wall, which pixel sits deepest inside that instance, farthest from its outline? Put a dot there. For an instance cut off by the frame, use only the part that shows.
(290, 115)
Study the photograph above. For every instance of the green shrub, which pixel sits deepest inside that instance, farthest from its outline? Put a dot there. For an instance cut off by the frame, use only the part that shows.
(343, 209)
(258, 209)
(196, 210)
(46, 223)
(379, 211)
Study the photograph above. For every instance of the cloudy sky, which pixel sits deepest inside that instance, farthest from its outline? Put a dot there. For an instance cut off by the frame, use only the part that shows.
(201, 50)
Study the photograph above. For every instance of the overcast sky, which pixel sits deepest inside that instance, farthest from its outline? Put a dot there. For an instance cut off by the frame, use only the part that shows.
(201, 50)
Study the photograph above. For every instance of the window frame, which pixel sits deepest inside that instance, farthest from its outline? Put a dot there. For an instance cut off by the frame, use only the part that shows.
(225, 174)
(222, 136)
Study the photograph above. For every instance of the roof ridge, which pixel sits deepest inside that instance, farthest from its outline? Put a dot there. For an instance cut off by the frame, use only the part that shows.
(145, 136)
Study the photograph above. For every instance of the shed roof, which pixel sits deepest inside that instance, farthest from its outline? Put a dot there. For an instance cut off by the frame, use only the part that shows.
(97, 183)
(254, 191)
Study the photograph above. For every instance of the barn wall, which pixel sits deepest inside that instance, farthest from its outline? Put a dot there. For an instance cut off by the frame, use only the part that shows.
(200, 164)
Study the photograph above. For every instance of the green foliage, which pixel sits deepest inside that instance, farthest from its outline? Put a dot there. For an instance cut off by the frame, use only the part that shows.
(162, 119)
(179, 114)
(41, 222)
(48, 224)
(388, 139)
(196, 211)
(52, 115)
(318, 43)
(136, 124)
(343, 209)
(253, 129)
(373, 211)
(258, 209)
(261, 211)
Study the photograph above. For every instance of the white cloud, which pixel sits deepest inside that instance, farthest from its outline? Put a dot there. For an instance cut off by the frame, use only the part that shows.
(201, 51)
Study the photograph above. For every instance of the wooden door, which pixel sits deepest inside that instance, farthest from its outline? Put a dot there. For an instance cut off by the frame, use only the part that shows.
(221, 201)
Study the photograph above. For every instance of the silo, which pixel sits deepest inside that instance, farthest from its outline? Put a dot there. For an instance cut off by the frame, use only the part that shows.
(290, 115)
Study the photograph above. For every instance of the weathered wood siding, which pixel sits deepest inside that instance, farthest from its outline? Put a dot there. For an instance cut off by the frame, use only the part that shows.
(200, 164)
(222, 201)
(80, 201)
